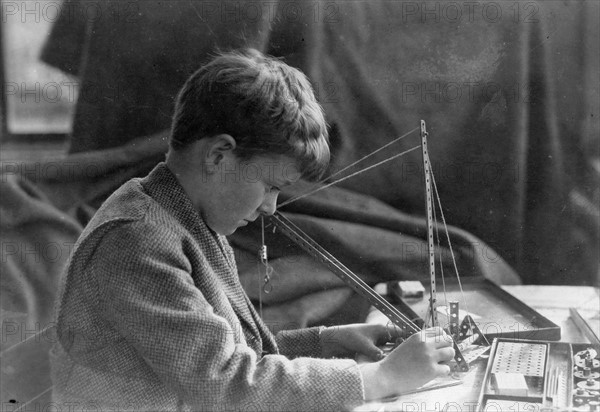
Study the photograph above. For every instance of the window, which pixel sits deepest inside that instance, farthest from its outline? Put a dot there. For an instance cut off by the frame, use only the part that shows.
(38, 99)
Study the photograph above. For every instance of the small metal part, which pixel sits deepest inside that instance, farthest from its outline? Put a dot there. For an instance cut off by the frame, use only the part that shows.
(589, 384)
(584, 397)
(586, 373)
(268, 286)
(591, 352)
(591, 363)
(520, 357)
(586, 358)
(454, 326)
(262, 254)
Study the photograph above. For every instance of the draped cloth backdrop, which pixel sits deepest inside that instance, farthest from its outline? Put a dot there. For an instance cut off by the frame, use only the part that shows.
(508, 89)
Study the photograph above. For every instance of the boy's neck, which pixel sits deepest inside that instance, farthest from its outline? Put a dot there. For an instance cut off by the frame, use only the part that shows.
(181, 166)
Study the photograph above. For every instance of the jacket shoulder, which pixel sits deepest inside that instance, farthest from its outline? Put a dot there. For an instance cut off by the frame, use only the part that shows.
(130, 212)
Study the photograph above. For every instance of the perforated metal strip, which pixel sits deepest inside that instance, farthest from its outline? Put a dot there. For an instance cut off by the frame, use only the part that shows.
(341, 271)
(429, 210)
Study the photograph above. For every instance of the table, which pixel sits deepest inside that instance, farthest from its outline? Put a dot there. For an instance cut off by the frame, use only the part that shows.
(553, 302)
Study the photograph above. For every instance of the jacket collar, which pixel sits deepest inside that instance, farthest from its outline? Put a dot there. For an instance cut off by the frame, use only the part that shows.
(162, 185)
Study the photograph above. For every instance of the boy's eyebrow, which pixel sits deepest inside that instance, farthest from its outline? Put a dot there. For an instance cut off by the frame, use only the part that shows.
(283, 182)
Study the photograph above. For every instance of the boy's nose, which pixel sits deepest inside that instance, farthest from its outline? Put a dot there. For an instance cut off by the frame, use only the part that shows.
(269, 204)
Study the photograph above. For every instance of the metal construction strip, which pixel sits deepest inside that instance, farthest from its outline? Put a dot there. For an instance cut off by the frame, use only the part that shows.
(341, 271)
(429, 210)
(356, 283)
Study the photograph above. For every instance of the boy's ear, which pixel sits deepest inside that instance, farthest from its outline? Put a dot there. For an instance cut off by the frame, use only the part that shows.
(221, 145)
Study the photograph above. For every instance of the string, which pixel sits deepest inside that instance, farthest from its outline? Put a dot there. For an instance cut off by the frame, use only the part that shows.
(437, 196)
(260, 302)
(262, 233)
(266, 285)
(356, 281)
(437, 237)
(369, 168)
(287, 202)
(354, 164)
(367, 156)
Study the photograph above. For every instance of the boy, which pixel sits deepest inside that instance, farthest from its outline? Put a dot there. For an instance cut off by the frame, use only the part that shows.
(151, 315)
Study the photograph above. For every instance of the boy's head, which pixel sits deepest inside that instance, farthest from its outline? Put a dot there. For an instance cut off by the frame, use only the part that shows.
(268, 107)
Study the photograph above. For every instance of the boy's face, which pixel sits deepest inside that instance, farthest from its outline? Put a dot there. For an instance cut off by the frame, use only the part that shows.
(243, 190)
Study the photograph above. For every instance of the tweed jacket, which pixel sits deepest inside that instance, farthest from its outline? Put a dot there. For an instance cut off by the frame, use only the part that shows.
(151, 316)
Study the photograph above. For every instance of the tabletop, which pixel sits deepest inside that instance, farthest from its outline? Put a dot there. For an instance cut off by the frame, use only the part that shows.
(461, 391)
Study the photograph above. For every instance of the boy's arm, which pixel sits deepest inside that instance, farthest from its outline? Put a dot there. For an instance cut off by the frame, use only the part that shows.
(300, 342)
(149, 296)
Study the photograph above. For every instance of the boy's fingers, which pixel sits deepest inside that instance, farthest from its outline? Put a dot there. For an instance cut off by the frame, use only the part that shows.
(445, 354)
(443, 342)
(377, 354)
(442, 370)
(436, 330)
(440, 339)
(390, 332)
(365, 346)
(433, 333)
(372, 351)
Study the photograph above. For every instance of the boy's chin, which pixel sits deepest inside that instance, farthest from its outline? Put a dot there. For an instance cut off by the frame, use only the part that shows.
(220, 230)
(227, 230)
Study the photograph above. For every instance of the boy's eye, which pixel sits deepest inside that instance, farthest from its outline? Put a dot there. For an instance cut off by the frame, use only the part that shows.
(274, 188)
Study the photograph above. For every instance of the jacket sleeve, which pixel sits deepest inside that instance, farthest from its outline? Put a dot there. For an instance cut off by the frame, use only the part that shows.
(299, 342)
(147, 294)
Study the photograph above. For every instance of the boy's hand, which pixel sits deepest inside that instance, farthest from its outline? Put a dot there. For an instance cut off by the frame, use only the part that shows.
(421, 358)
(356, 339)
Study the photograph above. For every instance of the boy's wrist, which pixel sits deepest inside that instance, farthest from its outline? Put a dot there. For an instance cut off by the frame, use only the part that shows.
(373, 387)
